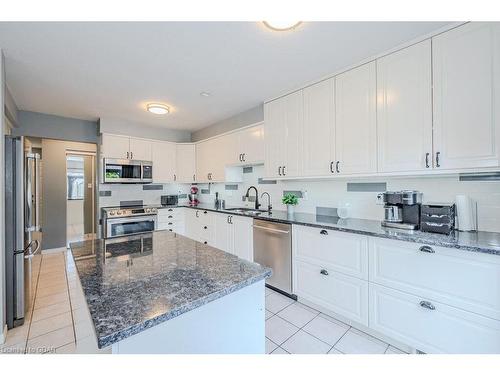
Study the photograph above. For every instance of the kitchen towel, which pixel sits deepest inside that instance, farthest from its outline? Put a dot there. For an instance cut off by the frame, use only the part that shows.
(466, 213)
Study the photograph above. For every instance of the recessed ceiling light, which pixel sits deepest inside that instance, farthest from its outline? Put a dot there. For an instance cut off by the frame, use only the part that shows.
(282, 25)
(158, 109)
(204, 93)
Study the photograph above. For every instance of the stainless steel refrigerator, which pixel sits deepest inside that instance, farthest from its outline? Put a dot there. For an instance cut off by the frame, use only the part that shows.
(22, 226)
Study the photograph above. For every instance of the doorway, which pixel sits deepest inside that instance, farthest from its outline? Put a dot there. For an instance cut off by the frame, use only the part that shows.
(80, 203)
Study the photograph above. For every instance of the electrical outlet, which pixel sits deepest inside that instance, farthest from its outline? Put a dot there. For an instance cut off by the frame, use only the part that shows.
(305, 195)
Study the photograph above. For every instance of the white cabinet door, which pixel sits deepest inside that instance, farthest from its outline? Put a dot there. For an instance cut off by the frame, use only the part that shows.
(115, 146)
(192, 229)
(404, 110)
(185, 163)
(274, 128)
(140, 149)
(251, 145)
(163, 157)
(223, 232)
(204, 161)
(437, 328)
(457, 278)
(342, 294)
(242, 237)
(294, 123)
(343, 252)
(319, 129)
(356, 120)
(466, 74)
(223, 151)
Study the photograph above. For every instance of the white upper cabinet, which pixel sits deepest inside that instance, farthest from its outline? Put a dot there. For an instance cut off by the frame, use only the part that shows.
(466, 73)
(203, 156)
(319, 129)
(115, 146)
(283, 120)
(404, 109)
(185, 170)
(274, 122)
(250, 145)
(356, 120)
(164, 162)
(140, 149)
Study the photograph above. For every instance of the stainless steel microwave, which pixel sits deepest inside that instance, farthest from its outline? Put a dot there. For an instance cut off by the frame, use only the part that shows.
(126, 171)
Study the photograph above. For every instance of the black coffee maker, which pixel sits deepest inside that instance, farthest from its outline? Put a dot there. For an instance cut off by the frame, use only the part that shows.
(401, 209)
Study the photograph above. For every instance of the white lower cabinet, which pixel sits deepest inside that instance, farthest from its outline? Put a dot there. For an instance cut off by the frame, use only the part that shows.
(430, 326)
(467, 280)
(234, 234)
(171, 219)
(343, 252)
(342, 294)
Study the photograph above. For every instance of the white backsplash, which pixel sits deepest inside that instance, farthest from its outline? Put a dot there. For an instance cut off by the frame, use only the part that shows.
(328, 193)
(131, 192)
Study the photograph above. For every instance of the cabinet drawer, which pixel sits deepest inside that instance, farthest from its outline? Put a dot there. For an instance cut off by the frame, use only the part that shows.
(467, 280)
(342, 252)
(342, 294)
(443, 330)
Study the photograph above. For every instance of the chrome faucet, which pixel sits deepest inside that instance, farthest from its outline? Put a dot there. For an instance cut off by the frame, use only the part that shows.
(269, 205)
(257, 204)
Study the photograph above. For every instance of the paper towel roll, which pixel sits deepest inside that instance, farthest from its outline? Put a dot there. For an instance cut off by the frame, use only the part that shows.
(466, 213)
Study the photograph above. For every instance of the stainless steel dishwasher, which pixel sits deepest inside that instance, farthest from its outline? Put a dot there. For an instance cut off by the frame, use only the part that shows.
(272, 247)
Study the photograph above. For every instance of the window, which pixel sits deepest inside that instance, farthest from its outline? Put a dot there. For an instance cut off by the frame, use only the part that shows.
(75, 177)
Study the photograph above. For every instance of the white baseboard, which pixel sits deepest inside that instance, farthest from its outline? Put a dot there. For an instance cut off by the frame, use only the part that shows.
(54, 250)
(3, 334)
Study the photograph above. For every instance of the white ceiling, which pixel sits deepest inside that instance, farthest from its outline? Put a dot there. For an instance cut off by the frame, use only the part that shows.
(92, 70)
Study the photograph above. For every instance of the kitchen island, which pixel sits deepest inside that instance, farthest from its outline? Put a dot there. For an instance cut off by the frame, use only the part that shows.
(161, 292)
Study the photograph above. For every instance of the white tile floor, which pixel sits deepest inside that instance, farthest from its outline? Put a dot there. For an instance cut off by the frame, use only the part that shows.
(293, 328)
(59, 321)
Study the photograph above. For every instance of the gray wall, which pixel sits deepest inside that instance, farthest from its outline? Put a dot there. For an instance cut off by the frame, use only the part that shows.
(2, 200)
(117, 126)
(240, 120)
(54, 189)
(41, 125)
(10, 107)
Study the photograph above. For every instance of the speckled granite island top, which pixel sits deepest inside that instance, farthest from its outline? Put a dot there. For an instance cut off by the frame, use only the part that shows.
(481, 242)
(136, 282)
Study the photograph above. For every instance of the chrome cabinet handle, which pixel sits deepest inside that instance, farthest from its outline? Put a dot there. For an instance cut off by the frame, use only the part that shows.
(131, 155)
(427, 305)
(331, 167)
(279, 171)
(170, 217)
(196, 213)
(284, 174)
(427, 249)
(231, 219)
(205, 212)
(324, 272)
(127, 155)
(323, 232)
(205, 227)
(194, 177)
(175, 177)
(337, 166)
(169, 223)
(270, 229)
(228, 219)
(205, 242)
(437, 159)
(243, 156)
(239, 157)
(427, 160)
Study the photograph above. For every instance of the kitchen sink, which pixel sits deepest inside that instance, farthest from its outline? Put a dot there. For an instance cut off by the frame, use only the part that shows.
(244, 210)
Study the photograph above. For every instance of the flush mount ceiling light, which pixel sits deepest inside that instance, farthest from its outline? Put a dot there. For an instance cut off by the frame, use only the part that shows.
(205, 94)
(158, 109)
(281, 25)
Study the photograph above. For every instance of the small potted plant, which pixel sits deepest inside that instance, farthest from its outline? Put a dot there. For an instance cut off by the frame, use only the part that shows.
(290, 200)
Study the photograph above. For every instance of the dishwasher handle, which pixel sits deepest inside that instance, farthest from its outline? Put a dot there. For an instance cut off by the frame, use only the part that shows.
(271, 229)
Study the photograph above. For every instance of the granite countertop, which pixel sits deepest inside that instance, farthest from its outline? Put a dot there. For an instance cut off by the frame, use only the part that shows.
(135, 282)
(482, 242)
